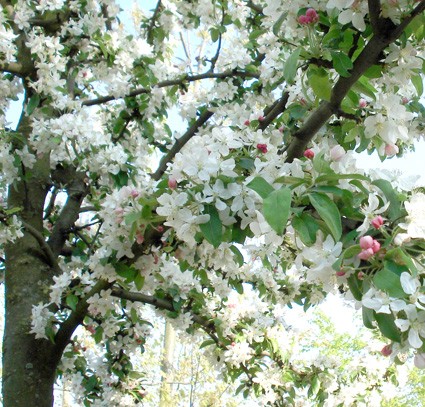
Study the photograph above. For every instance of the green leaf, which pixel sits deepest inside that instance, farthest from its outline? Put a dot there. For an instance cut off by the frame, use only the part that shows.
(355, 287)
(321, 86)
(33, 104)
(394, 210)
(389, 281)
(368, 317)
(261, 187)
(306, 227)
(290, 66)
(139, 281)
(276, 209)
(206, 343)
(98, 335)
(278, 24)
(127, 272)
(401, 260)
(329, 212)
(387, 326)
(212, 230)
(342, 63)
(72, 301)
(238, 255)
(418, 83)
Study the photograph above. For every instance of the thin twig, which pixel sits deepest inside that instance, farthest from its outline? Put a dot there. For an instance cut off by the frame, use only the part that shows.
(172, 82)
(178, 145)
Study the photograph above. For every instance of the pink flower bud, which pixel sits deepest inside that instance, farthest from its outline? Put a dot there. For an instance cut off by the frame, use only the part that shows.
(281, 129)
(340, 273)
(419, 360)
(404, 100)
(262, 148)
(391, 149)
(360, 275)
(377, 222)
(365, 254)
(366, 242)
(311, 13)
(387, 350)
(160, 228)
(309, 153)
(246, 122)
(362, 103)
(134, 193)
(304, 20)
(140, 238)
(172, 183)
(261, 118)
(376, 246)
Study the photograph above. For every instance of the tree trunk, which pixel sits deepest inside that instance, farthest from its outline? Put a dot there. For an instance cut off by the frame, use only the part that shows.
(29, 364)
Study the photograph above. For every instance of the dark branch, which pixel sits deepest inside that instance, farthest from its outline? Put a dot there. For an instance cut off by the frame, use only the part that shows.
(172, 82)
(165, 305)
(367, 58)
(77, 191)
(275, 110)
(149, 34)
(178, 145)
(51, 258)
(375, 15)
(64, 334)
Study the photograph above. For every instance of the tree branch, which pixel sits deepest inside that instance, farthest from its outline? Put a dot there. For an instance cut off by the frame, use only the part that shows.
(178, 145)
(275, 110)
(368, 57)
(149, 33)
(51, 258)
(77, 191)
(172, 82)
(67, 328)
(14, 68)
(375, 15)
(165, 305)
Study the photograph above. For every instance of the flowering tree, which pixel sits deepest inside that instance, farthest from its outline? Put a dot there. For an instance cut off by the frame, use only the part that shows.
(256, 206)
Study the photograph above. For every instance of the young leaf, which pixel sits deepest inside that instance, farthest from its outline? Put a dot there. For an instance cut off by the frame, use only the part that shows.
(290, 66)
(389, 281)
(278, 24)
(276, 209)
(33, 104)
(329, 212)
(342, 63)
(387, 326)
(261, 187)
(212, 230)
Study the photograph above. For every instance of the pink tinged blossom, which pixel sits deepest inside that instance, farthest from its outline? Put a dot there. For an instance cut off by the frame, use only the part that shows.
(387, 350)
(362, 103)
(281, 129)
(376, 246)
(134, 193)
(366, 242)
(246, 122)
(261, 118)
(309, 153)
(172, 183)
(391, 150)
(337, 152)
(140, 238)
(377, 222)
(360, 275)
(340, 273)
(419, 360)
(405, 100)
(366, 254)
(262, 148)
